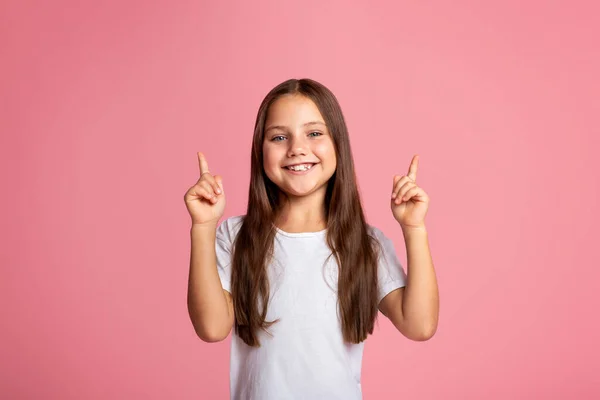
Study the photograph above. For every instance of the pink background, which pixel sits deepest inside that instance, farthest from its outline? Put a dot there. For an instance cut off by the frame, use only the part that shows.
(105, 104)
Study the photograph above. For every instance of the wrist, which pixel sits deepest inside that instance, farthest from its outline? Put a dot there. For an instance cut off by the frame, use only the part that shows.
(206, 226)
(413, 229)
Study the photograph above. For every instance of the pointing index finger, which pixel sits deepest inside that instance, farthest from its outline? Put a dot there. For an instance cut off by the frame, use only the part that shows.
(412, 170)
(203, 163)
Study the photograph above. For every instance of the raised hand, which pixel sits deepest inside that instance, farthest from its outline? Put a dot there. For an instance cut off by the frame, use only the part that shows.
(409, 202)
(205, 201)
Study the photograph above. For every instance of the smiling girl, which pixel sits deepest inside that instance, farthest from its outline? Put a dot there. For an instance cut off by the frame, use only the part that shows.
(301, 276)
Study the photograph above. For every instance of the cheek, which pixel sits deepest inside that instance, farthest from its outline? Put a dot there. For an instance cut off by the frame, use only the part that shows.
(326, 152)
(271, 160)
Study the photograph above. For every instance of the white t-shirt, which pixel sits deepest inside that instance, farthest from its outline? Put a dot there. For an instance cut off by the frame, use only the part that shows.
(306, 358)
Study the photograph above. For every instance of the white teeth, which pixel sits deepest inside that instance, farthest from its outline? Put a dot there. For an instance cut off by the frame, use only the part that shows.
(302, 167)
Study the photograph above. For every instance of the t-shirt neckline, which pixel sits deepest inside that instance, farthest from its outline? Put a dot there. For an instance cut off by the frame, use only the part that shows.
(300, 234)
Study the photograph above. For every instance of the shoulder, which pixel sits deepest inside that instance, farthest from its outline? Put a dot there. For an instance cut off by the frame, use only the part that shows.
(377, 234)
(384, 243)
(229, 228)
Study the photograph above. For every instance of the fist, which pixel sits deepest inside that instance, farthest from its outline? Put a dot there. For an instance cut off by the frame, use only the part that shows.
(205, 201)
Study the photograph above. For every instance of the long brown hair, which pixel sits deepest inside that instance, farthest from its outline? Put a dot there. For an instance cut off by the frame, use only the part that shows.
(347, 232)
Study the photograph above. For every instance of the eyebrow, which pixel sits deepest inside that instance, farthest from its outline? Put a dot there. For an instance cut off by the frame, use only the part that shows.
(306, 124)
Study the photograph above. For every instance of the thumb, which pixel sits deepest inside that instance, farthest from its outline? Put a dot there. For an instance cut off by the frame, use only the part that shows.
(219, 181)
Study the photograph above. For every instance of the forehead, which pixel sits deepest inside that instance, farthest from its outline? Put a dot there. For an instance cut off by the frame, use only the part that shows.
(292, 110)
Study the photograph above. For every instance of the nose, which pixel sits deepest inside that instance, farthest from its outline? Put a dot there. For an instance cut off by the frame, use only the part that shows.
(297, 145)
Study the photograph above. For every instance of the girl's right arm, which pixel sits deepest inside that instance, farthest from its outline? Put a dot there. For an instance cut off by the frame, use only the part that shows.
(209, 306)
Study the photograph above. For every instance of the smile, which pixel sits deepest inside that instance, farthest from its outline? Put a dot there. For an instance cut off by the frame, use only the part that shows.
(299, 169)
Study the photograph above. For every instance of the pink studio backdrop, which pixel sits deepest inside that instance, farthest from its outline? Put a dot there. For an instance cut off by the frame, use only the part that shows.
(105, 104)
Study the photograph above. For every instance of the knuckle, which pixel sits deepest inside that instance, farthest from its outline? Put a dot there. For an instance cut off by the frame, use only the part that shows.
(205, 175)
(205, 192)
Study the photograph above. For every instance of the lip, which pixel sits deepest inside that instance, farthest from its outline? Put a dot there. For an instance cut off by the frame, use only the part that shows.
(300, 163)
(299, 172)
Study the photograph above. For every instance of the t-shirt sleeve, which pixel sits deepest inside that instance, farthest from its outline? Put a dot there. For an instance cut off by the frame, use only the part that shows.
(223, 247)
(390, 273)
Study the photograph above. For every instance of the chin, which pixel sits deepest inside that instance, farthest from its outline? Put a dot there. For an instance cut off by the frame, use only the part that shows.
(298, 193)
(303, 192)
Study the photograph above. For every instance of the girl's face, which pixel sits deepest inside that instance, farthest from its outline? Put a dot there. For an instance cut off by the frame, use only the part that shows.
(296, 134)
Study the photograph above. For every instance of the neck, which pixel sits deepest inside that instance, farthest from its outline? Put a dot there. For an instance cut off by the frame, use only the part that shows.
(302, 213)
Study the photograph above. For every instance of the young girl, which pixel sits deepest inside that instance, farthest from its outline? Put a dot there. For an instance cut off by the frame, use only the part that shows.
(301, 276)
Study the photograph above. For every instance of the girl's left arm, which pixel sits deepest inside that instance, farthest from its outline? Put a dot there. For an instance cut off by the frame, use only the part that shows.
(413, 309)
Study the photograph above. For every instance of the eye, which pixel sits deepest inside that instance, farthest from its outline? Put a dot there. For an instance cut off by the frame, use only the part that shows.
(276, 138)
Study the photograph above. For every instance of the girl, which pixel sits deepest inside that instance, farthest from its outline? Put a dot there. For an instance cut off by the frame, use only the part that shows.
(301, 276)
